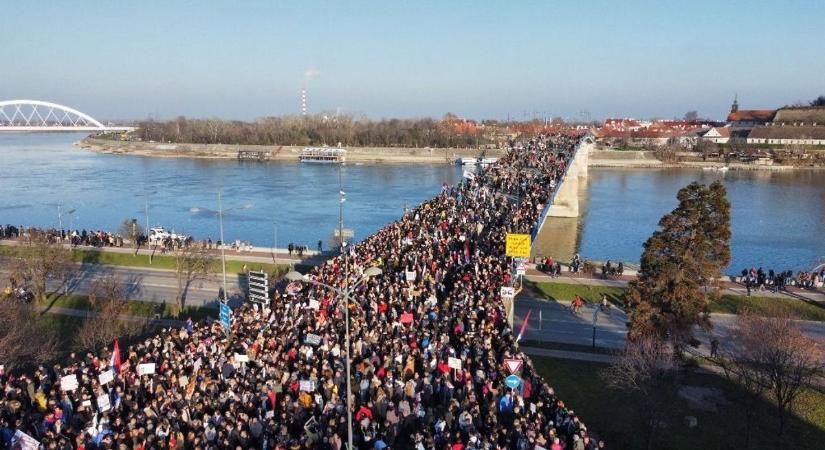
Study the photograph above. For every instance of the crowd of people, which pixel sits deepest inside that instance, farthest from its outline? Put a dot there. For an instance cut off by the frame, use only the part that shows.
(91, 238)
(754, 278)
(429, 340)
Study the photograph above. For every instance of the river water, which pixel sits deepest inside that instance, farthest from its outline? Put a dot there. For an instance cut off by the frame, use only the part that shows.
(778, 218)
(287, 202)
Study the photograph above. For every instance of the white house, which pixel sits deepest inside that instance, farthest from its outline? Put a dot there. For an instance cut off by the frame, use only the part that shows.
(718, 135)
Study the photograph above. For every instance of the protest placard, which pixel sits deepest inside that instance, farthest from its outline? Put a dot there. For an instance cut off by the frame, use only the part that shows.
(23, 441)
(454, 363)
(241, 358)
(106, 377)
(406, 318)
(103, 403)
(312, 339)
(307, 385)
(69, 382)
(146, 369)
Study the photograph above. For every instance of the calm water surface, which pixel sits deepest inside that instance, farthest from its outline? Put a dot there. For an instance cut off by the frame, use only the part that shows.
(777, 218)
(291, 202)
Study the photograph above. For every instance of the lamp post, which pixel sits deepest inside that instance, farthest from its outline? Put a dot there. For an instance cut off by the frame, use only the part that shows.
(60, 214)
(346, 295)
(220, 213)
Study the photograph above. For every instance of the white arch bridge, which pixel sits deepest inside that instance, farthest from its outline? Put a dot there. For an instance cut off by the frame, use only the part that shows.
(36, 115)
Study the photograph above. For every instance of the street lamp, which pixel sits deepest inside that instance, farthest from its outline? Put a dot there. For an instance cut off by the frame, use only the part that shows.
(346, 295)
(221, 211)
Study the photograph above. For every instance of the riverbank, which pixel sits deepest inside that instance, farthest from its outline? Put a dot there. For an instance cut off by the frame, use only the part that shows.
(639, 159)
(355, 155)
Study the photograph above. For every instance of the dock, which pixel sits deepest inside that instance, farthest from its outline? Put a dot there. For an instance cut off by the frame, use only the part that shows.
(250, 155)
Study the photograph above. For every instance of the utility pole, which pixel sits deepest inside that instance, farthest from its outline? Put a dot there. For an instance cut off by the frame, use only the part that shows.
(342, 195)
(223, 245)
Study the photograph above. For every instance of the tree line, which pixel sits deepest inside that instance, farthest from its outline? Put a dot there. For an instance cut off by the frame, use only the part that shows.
(315, 130)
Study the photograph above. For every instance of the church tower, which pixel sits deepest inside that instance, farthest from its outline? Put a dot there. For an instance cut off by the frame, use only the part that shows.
(735, 106)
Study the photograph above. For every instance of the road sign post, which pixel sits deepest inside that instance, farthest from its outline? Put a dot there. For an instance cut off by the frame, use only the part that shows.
(513, 382)
(226, 317)
(513, 365)
(258, 290)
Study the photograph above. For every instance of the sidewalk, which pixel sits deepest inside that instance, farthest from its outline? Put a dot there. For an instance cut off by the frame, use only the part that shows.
(257, 255)
(84, 313)
(563, 354)
(731, 288)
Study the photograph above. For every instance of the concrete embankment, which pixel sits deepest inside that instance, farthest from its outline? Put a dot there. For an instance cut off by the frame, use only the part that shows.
(371, 155)
(637, 159)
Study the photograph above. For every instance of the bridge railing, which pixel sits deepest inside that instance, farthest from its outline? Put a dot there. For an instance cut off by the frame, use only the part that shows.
(550, 201)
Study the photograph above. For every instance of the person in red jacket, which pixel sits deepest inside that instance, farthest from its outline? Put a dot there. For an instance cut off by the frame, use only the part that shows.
(363, 412)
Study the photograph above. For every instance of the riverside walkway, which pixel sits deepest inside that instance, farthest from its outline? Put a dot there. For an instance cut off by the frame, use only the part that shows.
(554, 322)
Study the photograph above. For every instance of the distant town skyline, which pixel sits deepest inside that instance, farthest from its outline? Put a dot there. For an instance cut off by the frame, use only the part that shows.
(480, 60)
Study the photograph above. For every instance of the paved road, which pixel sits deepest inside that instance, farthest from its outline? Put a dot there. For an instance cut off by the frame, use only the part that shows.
(554, 322)
(148, 284)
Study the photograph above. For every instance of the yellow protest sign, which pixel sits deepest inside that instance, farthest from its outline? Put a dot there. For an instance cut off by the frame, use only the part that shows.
(518, 245)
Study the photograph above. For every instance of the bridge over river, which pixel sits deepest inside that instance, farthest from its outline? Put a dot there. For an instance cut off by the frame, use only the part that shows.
(33, 116)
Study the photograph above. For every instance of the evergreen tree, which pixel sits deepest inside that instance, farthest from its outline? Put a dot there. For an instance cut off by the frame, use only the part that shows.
(681, 267)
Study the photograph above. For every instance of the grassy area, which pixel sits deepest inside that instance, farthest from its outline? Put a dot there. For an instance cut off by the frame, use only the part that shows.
(588, 293)
(728, 304)
(65, 328)
(94, 256)
(613, 415)
(734, 304)
(164, 261)
(137, 307)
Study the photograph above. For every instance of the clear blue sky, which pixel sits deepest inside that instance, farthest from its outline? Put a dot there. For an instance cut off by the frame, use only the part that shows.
(246, 59)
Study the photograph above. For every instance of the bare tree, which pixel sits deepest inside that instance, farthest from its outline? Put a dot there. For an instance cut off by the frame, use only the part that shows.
(772, 354)
(706, 148)
(131, 229)
(691, 115)
(647, 368)
(38, 260)
(192, 263)
(109, 316)
(24, 338)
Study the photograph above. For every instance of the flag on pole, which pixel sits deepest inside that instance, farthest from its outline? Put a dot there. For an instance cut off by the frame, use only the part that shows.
(524, 325)
(115, 363)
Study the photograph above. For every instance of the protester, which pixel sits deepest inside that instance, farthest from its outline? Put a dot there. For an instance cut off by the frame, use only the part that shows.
(429, 338)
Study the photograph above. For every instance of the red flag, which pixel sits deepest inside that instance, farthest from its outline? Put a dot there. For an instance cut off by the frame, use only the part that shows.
(116, 357)
(524, 325)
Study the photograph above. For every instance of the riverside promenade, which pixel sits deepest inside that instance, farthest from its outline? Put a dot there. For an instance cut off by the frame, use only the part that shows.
(552, 321)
